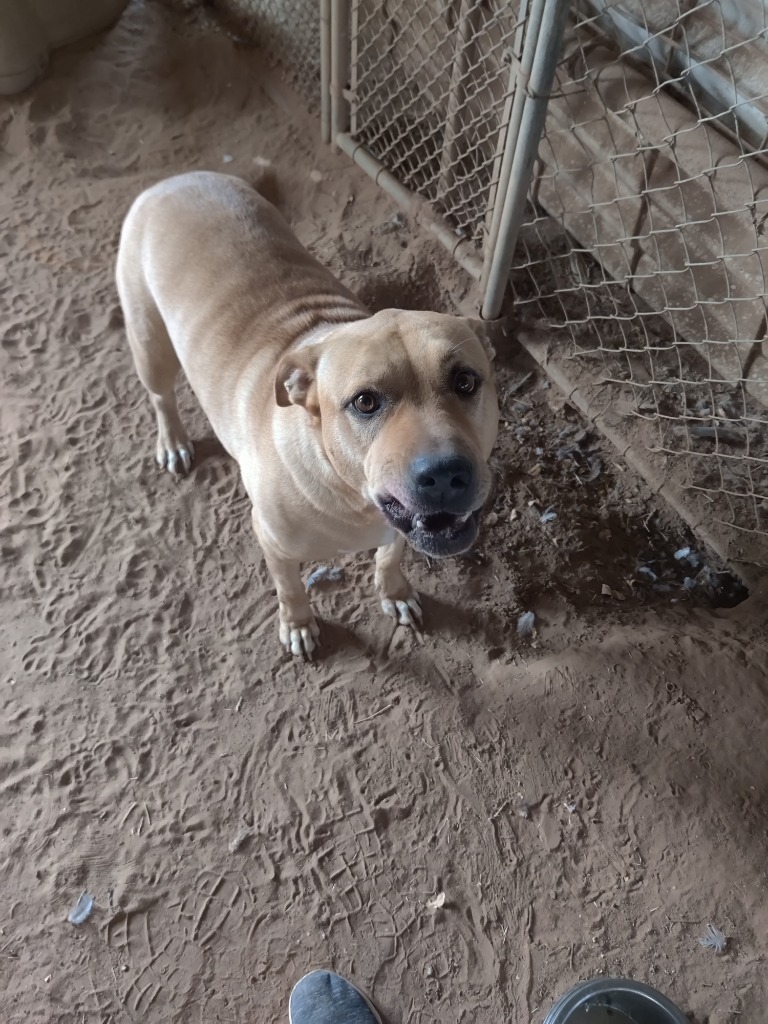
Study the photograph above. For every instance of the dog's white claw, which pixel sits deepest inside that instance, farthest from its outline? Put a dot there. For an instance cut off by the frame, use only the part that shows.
(177, 460)
(300, 640)
(407, 613)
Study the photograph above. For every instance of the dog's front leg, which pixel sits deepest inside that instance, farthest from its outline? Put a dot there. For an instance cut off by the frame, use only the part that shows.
(398, 598)
(298, 626)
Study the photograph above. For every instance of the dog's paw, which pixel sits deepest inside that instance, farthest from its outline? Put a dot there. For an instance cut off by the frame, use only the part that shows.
(176, 458)
(407, 612)
(300, 640)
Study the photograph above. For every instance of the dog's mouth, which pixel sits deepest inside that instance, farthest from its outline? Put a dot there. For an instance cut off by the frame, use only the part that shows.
(438, 534)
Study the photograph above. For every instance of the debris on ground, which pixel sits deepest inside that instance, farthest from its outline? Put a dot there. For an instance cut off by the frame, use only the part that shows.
(688, 555)
(396, 223)
(436, 902)
(510, 414)
(713, 938)
(325, 574)
(241, 839)
(566, 510)
(725, 435)
(579, 454)
(526, 624)
(81, 910)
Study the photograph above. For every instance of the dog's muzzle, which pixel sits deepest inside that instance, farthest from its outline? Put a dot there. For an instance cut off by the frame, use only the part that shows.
(437, 534)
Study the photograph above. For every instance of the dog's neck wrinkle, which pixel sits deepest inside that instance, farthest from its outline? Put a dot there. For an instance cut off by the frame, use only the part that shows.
(315, 335)
(320, 331)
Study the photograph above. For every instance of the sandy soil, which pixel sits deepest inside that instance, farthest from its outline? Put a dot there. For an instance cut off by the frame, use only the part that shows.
(588, 798)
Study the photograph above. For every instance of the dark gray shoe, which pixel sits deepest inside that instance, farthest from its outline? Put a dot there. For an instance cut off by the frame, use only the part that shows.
(323, 997)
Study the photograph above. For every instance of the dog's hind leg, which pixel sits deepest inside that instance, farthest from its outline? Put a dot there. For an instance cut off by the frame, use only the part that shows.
(157, 366)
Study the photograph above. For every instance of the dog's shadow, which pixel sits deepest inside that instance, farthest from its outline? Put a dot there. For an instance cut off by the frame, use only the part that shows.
(208, 449)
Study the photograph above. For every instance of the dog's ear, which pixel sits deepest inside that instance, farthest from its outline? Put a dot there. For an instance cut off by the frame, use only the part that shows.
(295, 381)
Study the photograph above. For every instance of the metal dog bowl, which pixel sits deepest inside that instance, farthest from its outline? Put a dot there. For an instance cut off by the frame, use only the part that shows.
(614, 1001)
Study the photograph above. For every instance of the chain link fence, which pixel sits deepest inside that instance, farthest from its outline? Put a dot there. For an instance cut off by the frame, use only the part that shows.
(645, 237)
(643, 245)
(430, 84)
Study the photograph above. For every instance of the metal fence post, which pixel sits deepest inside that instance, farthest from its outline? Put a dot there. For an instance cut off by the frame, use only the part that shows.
(325, 71)
(339, 67)
(526, 40)
(526, 147)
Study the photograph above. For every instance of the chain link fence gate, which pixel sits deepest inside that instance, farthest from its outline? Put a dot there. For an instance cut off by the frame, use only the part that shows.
(641, 243)
(425, 97)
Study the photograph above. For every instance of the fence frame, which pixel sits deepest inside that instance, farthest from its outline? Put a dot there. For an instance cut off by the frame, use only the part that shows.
(541, 30)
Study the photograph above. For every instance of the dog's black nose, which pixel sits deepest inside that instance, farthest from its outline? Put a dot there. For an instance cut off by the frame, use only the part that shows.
(444, 482)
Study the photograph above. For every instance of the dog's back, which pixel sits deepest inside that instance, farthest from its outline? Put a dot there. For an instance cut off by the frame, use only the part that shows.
(211, 277)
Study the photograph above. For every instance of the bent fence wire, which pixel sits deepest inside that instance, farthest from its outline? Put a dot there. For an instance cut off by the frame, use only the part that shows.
(644, 236)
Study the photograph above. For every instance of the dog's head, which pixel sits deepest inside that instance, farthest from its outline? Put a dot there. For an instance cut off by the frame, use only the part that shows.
(406, 407)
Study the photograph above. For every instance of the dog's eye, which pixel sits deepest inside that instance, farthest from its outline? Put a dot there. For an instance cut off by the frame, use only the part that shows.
(366, 403)
(465, 383)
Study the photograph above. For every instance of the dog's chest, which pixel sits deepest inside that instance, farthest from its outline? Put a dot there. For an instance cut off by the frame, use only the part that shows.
(364, 538)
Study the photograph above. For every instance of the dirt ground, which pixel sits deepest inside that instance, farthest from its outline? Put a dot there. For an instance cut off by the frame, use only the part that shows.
(587, 798)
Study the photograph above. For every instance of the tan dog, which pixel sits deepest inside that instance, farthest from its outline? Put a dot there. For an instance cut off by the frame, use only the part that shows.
(351, 431)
